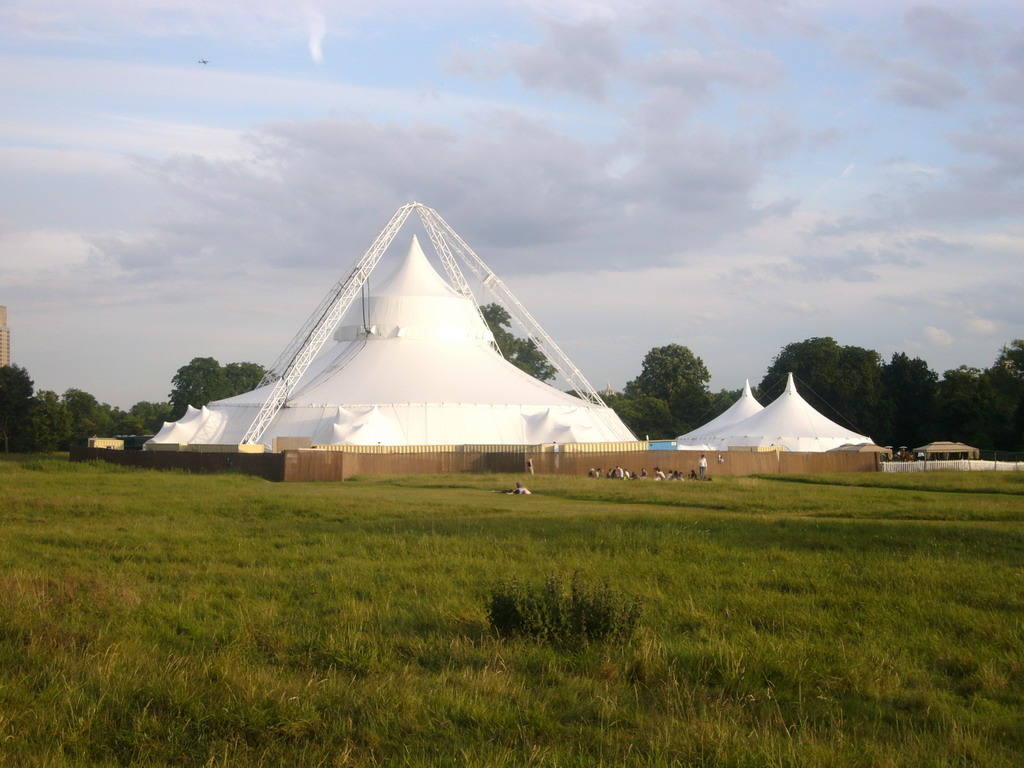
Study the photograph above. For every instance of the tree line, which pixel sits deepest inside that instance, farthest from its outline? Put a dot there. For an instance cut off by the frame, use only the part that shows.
(44, 421)
(902, 402)
(899, 402)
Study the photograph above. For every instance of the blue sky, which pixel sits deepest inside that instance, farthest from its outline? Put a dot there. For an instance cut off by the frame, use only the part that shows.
(639, 173)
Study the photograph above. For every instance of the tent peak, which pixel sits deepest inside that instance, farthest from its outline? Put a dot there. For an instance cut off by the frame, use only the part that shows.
(415, 277)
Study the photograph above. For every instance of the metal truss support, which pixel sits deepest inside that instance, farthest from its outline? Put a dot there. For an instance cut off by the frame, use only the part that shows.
(436, 229)
(433, 222)
(292, 363)
(300, 352)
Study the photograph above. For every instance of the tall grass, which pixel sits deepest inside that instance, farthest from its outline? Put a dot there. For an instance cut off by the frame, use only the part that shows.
(165, 619)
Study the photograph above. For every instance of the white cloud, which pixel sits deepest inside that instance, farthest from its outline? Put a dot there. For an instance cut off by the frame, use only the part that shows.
(693, 72)
(577, 58)
(950, 35)
(27, 252)
(915, 85)
(938, 336)
(317, 32)
(981, 326)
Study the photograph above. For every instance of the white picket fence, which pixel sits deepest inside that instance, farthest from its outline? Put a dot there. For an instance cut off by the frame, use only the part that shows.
(960, 465)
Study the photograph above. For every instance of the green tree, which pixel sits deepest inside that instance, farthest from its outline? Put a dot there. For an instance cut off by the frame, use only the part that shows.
(679, 378)
(522, 353)
(909, 387)
(812, 361)
(51, 422)
(204, 380)
(129, 424)
(842, 383)
(964, 407)
(15, 404)
(89, 417)
(1011, 358)
(148, 417)
(196, 384)
(645, 416)
(1006, 380)
(242, 377)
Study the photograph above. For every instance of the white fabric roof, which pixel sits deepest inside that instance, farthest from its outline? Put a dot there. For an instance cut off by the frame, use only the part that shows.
(704, 437)
(790, 422)
(419, 371)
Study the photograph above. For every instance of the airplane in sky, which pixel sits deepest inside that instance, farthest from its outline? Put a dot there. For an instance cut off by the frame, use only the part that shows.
(203, 61)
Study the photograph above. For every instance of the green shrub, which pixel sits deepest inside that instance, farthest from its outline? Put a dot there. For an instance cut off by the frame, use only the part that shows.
(550, 613)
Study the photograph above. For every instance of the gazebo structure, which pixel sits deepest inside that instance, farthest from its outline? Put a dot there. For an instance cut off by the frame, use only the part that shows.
(944, 450)
(863, 448)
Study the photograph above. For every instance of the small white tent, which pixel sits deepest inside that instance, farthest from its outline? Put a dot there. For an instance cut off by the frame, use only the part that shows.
(788, 422)
(705, 437)
(417, 369)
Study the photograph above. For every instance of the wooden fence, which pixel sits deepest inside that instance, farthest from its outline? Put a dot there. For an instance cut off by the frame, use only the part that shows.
(314, 465)
(269, 466)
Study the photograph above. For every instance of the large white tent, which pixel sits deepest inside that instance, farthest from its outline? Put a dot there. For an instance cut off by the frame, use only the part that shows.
(789, 423)
(705, 437)
(417, 367)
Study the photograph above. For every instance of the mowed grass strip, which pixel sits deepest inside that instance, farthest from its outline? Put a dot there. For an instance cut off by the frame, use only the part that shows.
(164, 619)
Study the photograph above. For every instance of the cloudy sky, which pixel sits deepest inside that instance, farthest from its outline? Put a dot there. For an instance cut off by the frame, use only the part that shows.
(732, 176)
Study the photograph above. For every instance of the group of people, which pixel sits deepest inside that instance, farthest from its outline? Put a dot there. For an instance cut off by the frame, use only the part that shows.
(619, 473)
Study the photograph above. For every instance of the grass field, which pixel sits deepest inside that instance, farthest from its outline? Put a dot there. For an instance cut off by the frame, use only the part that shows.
(165, 619)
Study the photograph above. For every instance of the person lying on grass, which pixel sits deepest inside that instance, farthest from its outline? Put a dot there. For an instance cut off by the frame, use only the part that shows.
(520, 488)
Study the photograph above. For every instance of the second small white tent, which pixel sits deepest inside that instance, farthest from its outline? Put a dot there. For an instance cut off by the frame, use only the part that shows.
(790, 423)
(706, 436)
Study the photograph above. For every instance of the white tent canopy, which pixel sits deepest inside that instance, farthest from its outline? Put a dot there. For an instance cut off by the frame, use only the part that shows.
(705, 437)
(789, 422)
(418, 368)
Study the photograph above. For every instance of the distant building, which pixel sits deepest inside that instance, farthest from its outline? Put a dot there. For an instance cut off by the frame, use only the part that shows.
(5, 338)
